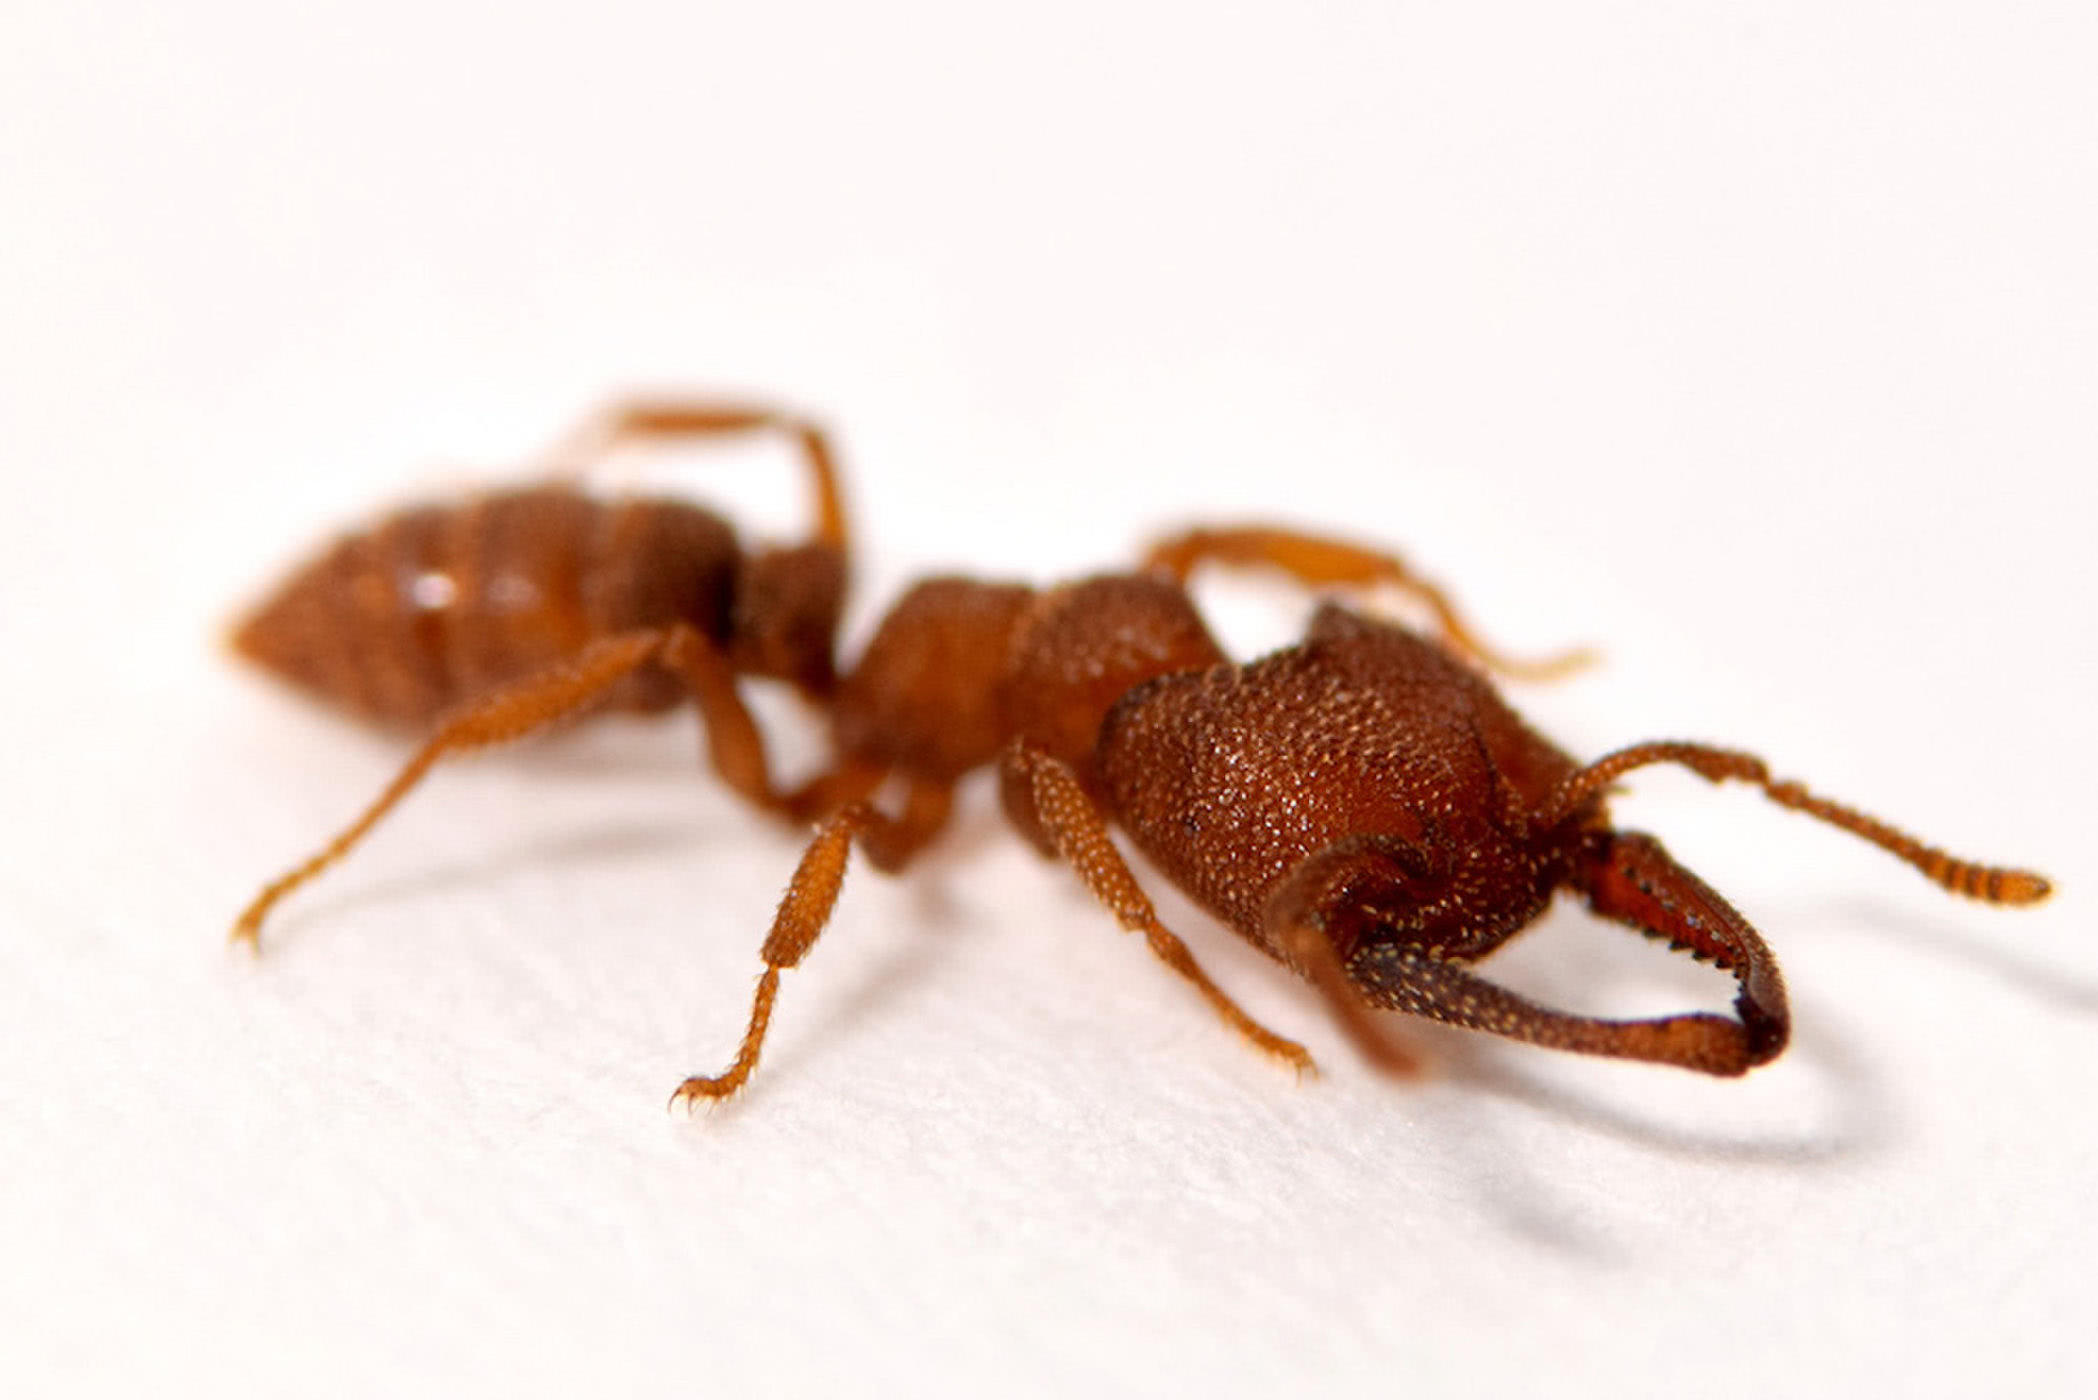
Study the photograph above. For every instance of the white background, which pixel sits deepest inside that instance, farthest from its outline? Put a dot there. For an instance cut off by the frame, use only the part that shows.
(1753, 344)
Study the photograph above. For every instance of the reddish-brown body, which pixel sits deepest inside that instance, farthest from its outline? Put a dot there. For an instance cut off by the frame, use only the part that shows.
(1362, 806)
(1385, 737)
(436, 605)
(496, 617)
(959, 668)
(1227, 776)
(441, 603)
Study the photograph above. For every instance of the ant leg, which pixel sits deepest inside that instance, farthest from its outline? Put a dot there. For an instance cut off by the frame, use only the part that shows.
(1067, 817)
(498, 718)
(1317, 561)
(1296, 927)
(1988, 883)
(642, 419)
(851, 781)
(803, 911)
(891, 842)
(538, 702)
(734, 744)
(806, 908)
(1306, 949)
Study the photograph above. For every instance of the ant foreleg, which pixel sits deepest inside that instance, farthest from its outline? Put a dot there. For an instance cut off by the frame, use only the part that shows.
(1295, 927)
(1308, 951)
(1067, 817)
(1317, 561)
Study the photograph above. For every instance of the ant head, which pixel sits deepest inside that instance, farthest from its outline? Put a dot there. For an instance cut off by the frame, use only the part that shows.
(784, 623)
(1426, 896)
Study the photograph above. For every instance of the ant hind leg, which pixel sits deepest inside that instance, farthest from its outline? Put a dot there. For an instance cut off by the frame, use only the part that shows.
(1297, 929)
(501, 717)
(541, 701)
(670, 418)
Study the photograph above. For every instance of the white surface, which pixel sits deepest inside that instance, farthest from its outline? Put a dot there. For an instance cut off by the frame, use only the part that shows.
(1753, 344)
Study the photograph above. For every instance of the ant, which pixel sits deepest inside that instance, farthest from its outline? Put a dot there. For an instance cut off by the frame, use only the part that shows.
(496, 616)
(1361, 806)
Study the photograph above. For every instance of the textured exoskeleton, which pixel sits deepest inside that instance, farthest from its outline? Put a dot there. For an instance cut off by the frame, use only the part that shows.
(1362, 806)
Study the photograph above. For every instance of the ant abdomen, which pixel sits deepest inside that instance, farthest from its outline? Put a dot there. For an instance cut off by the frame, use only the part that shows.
(439, 603)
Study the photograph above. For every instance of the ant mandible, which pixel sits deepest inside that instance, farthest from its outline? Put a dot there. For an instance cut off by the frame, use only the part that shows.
(1362, 806)
(499, 615)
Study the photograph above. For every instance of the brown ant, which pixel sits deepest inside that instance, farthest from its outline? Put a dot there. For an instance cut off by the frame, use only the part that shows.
(1362, 806)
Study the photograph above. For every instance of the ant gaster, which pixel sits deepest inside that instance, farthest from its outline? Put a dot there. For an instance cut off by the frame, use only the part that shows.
(495, 615)
(1361, 806)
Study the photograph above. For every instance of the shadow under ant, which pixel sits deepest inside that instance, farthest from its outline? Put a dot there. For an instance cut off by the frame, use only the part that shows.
(1861, 1120)
(875, 986)
(1534, 1205)
(624, 841)
(1857, 1120)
